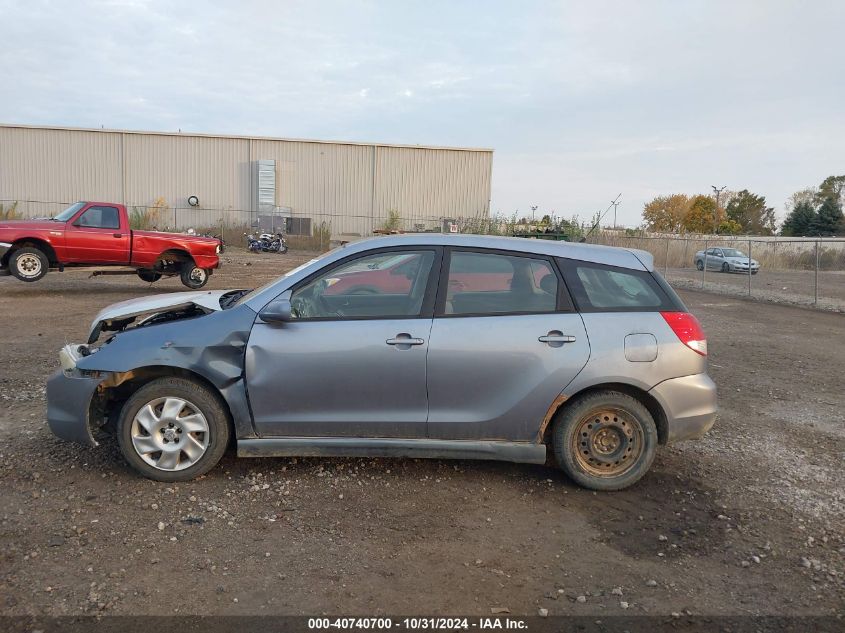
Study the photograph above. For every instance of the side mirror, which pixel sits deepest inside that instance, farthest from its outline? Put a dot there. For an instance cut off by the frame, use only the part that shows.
(278, 311)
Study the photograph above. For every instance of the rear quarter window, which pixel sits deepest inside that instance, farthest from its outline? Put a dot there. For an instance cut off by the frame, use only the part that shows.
(601, 288)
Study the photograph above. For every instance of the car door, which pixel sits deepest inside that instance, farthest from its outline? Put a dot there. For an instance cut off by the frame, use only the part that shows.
(97, 236)
(715, 259)
(504, 343)
(351, 362)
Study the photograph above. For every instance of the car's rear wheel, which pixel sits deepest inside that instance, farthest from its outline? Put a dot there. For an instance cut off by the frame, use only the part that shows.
(173, 429)
(149, 276)
(193, 276)
(605, 440)
(29, 263)
(699, 264)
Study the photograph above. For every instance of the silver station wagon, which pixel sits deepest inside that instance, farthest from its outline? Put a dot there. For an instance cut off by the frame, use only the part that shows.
(434, 346)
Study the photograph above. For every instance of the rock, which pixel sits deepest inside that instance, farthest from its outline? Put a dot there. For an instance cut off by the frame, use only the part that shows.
(805, 562)
(160, 525)
(650, 583)
(623, 604)
(662, 538)
(744, 563)
(498, 610)
(756, 559)
(543, 612)
(616, 591)
(581, 599)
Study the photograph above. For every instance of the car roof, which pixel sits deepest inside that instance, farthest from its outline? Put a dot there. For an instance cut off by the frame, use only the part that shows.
(610, 255)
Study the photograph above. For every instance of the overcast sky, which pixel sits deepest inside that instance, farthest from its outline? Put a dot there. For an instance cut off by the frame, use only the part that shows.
(580, 100)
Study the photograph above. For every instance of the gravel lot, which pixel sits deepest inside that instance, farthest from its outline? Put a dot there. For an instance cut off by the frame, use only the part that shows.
(751, 520)
(795, 287)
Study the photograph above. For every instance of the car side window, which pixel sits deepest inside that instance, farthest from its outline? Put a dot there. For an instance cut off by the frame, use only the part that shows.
(99, 218)
(597, 287)
(376, 286)
(496, 284)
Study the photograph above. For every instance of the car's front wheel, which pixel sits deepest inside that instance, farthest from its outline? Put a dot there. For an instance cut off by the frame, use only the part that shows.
(193, 276)
(605, 440)
(173, 429)
(29, 263)
(699, 264)
(726, 267)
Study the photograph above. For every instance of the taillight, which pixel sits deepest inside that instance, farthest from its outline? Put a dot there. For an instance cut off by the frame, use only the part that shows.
(687, 328)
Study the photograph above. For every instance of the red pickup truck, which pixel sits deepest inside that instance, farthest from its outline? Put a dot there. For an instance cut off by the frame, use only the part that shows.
(98, 234)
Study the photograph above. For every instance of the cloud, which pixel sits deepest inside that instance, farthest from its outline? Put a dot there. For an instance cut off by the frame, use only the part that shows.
(580, 100)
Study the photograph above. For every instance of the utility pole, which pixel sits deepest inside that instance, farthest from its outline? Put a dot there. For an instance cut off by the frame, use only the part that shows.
(615, 204)
(533, 210)
(718, 191)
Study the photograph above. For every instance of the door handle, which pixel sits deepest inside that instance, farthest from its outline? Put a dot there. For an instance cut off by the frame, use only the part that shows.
(404, 339)
(556, 338)
(117, 234)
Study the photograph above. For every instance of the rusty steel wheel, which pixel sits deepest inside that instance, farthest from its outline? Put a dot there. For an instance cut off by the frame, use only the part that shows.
(605, 440)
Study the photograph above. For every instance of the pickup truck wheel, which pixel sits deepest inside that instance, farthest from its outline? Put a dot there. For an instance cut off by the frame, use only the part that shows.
(29, 264)
(193, 276)
(149, 276)
(173, 429)
(605, 440)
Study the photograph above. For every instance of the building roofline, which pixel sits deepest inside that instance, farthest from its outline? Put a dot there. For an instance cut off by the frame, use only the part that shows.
(241, 137)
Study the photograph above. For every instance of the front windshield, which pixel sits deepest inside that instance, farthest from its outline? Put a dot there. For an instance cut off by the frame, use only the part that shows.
(68, 213)
(732, 252)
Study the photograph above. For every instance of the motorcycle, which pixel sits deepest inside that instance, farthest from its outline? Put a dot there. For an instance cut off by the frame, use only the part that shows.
(267, 243)
(274, 243)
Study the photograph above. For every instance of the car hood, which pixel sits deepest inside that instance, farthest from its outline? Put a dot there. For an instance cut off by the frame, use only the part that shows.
(740, 260)
(41, 224)
(208, 301)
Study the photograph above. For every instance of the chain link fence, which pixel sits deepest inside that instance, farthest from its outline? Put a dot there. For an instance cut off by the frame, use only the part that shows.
(792, 270)
(802, 271)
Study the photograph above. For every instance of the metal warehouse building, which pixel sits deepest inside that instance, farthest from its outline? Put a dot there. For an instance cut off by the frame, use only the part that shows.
(204, 180)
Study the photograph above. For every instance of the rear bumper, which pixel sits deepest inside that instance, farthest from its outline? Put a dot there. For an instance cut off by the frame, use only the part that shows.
(68, 405)
(690, 405)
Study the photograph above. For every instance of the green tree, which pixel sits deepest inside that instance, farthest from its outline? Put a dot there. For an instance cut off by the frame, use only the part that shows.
(665, 214)
(832, 187)
(829, 219)
(800, 221)
(729, 227)
(701, 217)
(751, 213)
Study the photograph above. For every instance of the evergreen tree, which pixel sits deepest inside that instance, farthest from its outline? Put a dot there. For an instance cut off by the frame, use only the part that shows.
(800, 221)
(829, 219)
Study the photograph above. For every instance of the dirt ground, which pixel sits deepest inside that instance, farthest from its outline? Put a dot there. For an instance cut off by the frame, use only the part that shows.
(750, 520)
(797, 287)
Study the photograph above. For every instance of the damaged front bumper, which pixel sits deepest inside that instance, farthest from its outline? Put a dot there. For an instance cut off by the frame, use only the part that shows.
(70, 393)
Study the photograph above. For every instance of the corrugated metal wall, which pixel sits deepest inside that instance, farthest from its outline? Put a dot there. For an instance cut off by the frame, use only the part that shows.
(350, 186)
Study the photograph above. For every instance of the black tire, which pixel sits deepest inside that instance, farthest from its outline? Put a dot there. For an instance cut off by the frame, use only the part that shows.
(193, 276)
(283, 249)
(149, 276)
(199, 397)
(29, 263)
(603, 420)
(726, 268)
(699, 264)
(754, 272)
